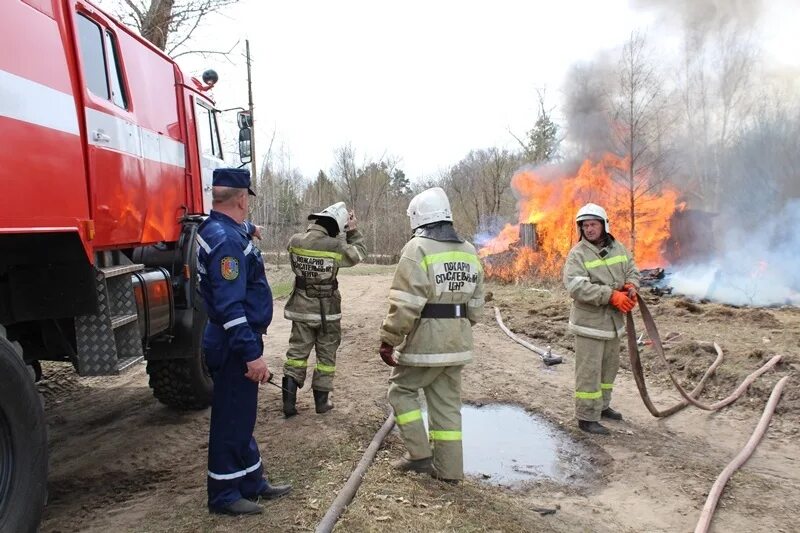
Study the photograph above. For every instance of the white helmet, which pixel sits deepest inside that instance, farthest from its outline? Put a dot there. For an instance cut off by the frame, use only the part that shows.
(431, 205)
(592, 212)
(337, 212)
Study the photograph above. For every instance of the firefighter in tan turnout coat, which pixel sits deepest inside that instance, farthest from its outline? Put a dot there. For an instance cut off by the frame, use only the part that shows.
(315, 305)
(602, 280)
(435, 298)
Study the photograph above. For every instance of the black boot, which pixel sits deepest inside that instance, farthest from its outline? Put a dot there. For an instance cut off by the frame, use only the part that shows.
(321, 401)
(593, 427)
(289, 396)
(611, 414)
(273, 492)
(237, 508)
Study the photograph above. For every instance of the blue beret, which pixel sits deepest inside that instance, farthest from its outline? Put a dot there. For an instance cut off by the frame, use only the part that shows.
(237, 178)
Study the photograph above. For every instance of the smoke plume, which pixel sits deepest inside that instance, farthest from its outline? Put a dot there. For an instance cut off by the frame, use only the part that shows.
(754, 266)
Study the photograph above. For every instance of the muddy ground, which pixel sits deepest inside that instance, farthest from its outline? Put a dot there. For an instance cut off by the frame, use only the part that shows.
(122, 462)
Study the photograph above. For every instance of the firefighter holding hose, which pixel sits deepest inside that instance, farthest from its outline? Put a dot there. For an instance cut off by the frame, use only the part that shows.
(603, 281)
(435, 299)
(315, 305)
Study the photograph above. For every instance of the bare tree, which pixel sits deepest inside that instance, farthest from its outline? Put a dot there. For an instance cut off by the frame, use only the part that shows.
(345, 174)
(639, 122)
(279, 204)
(718, 65)
(320, 193)
(480, 186)
(762, 164)
(375, 190)
(169, 24)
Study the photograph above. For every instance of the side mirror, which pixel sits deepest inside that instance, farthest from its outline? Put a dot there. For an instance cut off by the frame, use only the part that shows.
(244, 119)
(245, 150)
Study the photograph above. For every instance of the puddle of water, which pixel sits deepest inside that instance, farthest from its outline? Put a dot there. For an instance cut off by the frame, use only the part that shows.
(505, 445)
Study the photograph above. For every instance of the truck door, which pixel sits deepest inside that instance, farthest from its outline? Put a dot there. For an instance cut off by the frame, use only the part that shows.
(116, 167)
(210, 147)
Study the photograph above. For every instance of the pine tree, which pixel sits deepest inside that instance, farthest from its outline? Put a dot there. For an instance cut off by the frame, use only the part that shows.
(542, 142)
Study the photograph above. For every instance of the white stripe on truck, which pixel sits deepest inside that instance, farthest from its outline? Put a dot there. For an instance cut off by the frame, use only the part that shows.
(27, 101)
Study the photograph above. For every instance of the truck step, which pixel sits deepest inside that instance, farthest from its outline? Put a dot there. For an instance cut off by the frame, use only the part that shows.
(109, 340)
(121, 320)
(114, 271)
(127, 363)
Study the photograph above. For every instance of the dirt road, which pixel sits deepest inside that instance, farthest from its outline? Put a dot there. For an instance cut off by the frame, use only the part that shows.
(122, 462)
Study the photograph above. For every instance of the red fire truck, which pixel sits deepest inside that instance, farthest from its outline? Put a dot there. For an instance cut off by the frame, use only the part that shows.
(106, 156)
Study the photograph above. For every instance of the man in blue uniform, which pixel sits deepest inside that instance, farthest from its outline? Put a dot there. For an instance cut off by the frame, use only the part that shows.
(239, 305)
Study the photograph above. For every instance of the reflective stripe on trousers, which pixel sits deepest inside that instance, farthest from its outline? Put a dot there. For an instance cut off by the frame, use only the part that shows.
(442, 389)
(306, 336)
(596, 366)
(234, 462)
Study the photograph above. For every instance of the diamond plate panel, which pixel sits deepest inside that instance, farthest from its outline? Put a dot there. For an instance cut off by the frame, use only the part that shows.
(120, 295)
(97, 352)
(129, 342)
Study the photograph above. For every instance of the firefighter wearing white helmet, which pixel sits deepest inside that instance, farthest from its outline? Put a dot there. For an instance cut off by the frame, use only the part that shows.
(435, 298)
(315, 305)
(602, 280)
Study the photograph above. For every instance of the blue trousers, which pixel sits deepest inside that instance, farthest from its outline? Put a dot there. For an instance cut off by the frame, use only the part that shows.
(234, 462)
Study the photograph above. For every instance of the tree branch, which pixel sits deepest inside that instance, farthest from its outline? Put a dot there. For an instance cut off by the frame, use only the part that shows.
(137, 12)
(206, 53)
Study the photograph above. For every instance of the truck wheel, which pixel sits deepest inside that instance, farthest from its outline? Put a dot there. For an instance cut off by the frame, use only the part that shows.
(23, 445)
(183, 383)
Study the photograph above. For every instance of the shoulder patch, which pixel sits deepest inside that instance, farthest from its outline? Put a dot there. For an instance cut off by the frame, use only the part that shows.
(229, 267)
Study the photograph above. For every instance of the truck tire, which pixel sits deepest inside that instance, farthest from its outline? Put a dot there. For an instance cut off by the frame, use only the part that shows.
(184, 383)
(23, 445)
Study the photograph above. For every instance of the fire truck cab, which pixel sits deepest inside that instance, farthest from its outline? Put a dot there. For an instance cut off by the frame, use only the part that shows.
(105, 174)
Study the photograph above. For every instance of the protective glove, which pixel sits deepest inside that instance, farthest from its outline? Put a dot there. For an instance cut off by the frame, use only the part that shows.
(387, 354)
(621, 301)
(630, 289)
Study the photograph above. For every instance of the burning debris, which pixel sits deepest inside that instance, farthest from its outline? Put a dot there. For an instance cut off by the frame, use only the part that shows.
(655, 280)
(548, 200)
(652, 277)
(528, 237)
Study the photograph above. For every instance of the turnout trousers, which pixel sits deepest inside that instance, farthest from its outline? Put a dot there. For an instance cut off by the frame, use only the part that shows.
(442, 388)
(304, 337)
(596, 366)
(234, 462)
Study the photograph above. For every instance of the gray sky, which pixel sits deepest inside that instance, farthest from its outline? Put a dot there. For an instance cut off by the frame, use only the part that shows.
(425, 81)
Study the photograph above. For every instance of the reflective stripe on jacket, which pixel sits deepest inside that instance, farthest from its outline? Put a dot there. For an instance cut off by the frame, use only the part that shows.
(436, 272)
(590, 280)
(316, 257)
(233, 284)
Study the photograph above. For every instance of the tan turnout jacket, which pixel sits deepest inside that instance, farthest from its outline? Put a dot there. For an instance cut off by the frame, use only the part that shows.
(590, 278)
(316, 257)
(432, 271)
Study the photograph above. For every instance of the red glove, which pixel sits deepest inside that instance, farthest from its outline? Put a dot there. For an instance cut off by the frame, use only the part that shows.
(621, 301)
(630, 288)
(387, 352)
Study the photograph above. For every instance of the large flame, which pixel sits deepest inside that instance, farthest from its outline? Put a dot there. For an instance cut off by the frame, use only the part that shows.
(551, 202)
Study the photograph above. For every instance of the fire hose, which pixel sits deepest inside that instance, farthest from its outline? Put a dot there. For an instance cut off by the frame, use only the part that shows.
(547, 357)
(688, 397)
(716, 489)
(348, 491)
